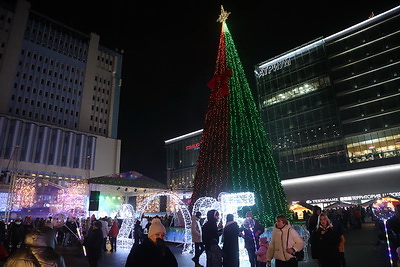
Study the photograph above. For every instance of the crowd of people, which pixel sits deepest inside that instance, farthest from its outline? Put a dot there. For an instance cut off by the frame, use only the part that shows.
(36, 240)
(207, 236)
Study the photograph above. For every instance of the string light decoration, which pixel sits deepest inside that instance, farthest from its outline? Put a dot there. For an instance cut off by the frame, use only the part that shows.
(228, 203)
(187, 245)
(72, 197)
(127, 213)
(150, 207)
(235, 155)
(384, 209)
(26, 194)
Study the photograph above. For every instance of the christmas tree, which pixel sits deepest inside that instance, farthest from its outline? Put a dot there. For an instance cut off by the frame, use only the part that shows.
(235, 155)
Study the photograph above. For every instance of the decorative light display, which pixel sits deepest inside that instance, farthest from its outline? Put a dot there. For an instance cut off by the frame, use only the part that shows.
(131, 217)
(150, 207)
(228, 203)
(235, 155)
(72, 197)
(127, 213)
(25, 196)
(384, 209)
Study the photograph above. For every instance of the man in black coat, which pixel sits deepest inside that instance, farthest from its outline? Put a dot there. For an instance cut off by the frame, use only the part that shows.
(94, 244)
(210, 231)
(230, 238)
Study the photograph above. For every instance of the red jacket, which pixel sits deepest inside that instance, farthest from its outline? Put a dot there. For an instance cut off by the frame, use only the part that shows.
(114, 230)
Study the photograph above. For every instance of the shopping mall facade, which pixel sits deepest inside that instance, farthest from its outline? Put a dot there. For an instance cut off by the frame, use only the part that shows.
(331, 110)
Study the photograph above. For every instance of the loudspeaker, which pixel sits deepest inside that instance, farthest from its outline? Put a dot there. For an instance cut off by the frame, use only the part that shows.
(132, 201)
(94, 200)
(163, 203)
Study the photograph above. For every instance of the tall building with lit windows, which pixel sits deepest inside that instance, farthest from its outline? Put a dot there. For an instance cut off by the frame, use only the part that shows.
(59, 98)
(182, 155)
(331, 110)
(333, 105)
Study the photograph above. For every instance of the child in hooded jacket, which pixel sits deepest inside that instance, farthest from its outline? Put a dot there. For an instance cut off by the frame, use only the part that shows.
(261, 252)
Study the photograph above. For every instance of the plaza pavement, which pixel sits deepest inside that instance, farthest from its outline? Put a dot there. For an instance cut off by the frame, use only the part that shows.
(359, 252)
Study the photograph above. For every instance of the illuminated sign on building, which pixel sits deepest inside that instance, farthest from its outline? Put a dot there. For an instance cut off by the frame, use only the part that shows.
(194, 146)
(274, 67)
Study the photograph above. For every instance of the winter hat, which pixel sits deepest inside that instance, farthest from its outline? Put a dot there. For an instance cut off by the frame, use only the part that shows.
(156, 227)
(98, 224)
(263, 241)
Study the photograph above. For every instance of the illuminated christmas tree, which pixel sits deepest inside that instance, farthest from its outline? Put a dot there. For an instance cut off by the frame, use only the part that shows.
(235, 155)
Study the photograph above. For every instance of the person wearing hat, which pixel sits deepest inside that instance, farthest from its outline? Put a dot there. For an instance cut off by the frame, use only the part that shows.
(153, 251)
(196, 238)
(94, 243)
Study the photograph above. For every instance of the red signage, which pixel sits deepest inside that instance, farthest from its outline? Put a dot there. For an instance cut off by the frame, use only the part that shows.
(194, 146)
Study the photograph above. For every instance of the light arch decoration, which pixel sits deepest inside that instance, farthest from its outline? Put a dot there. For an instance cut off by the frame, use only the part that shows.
(227, 203)
(187, 245)
(127, 213)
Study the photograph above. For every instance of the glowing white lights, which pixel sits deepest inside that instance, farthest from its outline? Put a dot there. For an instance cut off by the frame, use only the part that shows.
(228, 203)
(128, 214)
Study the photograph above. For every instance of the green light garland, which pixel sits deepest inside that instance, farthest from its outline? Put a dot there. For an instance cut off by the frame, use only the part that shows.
(235, 155)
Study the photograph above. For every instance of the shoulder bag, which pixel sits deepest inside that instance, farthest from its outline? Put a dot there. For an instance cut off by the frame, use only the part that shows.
(298, 254)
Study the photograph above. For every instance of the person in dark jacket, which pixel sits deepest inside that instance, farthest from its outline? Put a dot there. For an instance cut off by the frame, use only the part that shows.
(210, 231)
(94, 243)
(153, 251)
(16, 235)
(325, 243)
(251, 230)
(39, 250)
(137, 233)
(313, 220)
(230, 238)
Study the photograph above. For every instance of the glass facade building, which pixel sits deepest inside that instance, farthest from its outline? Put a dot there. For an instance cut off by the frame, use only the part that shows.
(182, 155)
(334, 104)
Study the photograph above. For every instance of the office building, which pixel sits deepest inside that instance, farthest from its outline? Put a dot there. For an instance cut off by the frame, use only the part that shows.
(59, 99)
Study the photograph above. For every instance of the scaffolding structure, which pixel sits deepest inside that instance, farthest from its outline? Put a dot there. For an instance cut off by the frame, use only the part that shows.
(12, 189)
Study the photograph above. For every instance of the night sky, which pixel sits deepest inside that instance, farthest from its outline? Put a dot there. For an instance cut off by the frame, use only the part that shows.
(170, 49)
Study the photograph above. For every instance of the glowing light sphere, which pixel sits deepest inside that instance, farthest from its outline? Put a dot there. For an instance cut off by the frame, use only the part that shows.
(383, 208)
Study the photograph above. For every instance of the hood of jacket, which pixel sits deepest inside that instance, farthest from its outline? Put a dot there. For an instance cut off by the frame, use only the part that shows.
(42, 237)
(210, 216)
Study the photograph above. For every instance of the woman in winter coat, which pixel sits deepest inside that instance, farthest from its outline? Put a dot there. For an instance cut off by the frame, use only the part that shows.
(153, 252)
(39, 250)
(285, 241)
(325, 243)
(113, 233)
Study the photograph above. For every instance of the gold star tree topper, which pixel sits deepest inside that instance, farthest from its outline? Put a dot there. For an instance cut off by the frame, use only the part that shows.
(223, 16)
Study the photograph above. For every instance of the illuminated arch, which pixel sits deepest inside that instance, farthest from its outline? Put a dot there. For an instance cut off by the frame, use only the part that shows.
(185, 212)
(127, 213)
